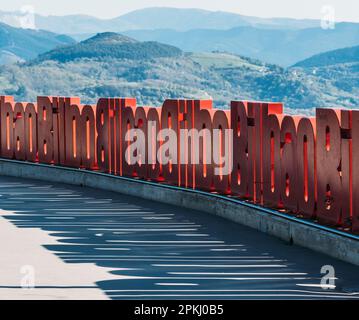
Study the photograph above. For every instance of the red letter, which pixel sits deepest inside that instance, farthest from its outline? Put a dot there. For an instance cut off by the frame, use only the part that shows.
(45, 130)
(204, 169)
(87, 130)
(19, 131)
(328, 160)
(169, 120)
(103, 134)
(288, 184)
(306, 182)
(128, 123)
(271, 160)
(31, 132)
(221, 123)
(239, 122)
(355, 170)
(154, 126)
(7, 133)
(346, 168)
(141, 124)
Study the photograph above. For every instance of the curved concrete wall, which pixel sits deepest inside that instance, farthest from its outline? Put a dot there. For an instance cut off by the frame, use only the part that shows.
(332, 242)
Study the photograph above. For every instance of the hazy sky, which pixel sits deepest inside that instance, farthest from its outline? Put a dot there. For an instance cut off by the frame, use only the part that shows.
(345, 10)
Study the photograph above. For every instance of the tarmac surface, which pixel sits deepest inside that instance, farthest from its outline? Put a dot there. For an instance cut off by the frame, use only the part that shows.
(65, 242)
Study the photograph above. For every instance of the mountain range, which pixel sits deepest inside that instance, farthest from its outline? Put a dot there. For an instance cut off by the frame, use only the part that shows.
(25, 44)
(278, 40)
(161, 71)
(190, 53)
(280, 46)
(156, 18)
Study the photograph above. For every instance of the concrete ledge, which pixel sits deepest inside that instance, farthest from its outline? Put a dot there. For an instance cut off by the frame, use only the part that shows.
(329, 241)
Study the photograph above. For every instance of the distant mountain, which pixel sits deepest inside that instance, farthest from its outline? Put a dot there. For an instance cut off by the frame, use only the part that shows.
(277, 40)
(23, 44)
(283, 47)
(111, 45)
(339, 56)
(151, 77)
(156, 18)
(338, 71)
(188, 19)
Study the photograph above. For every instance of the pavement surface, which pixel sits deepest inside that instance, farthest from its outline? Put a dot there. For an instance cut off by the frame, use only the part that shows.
(66, 242)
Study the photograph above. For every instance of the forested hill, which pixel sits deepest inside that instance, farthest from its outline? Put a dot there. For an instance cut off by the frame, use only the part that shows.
(112, 65)
(111, 45)
(344, 55)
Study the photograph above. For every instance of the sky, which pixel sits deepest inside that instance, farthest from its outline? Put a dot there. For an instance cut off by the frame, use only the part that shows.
(345, 10)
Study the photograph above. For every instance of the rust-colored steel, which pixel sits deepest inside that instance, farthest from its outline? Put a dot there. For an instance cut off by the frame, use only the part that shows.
(346, 168)
(6, 122)
(73, 136)
(221, 121)
(30, 129)
(45, 130)
(306, 166)
(288, 164)
(185, 124)
(19, 131)
(240, 183)
(119, 104)
(103, 134)
(328, 155)
(141, 167)
(127, 123)
(204, 168)
(303, 165)
(355, 171)
(271, 162)
(87, 126)
(153, 127)
(170, 120)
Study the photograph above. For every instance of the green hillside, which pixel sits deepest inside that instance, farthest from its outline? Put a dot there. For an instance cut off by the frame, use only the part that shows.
(344, 55)
(154, 72)
(111, 45)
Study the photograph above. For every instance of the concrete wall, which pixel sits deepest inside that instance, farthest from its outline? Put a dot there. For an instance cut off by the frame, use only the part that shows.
(300, 232)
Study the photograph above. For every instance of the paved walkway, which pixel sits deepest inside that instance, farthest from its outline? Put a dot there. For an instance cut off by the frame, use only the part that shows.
(80, 243)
